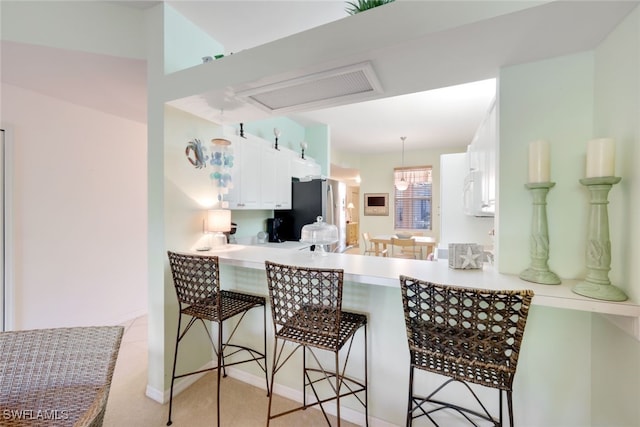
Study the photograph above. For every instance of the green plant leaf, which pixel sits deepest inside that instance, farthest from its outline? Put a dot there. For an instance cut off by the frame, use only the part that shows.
(358, 6)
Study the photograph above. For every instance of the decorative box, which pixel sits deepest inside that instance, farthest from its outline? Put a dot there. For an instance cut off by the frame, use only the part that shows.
(466, 256)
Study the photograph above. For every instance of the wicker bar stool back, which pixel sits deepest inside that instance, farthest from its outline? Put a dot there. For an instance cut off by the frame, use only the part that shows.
(57, 377)
(469, 335)
(306, 307)
(197, 283)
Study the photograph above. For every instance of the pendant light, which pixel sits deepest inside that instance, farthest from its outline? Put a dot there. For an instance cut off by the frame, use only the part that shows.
(402, 184)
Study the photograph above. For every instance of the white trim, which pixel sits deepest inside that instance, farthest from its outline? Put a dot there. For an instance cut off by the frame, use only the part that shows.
(132, 315)
(9, 301)
(347, 414)
(181, 385)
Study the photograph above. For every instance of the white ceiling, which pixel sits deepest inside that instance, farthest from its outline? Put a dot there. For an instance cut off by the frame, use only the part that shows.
(488, 36)
(428, 118)
(443, 117)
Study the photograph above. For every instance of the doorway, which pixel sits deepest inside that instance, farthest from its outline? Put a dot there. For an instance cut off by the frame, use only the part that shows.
(6, 295)
(3, 286)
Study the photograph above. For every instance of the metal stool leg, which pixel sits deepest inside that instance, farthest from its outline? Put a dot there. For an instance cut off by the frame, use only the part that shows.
(220, 364)
(304, 376)
(510, 406)
(264, 330)
(173, 373)
(410, 403)
(366, 380)
(338, 385)
(273, 375)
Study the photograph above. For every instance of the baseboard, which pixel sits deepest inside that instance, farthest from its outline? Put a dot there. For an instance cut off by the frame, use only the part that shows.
(347, 414)
(132, 315)
(258, 381)
(181, 385)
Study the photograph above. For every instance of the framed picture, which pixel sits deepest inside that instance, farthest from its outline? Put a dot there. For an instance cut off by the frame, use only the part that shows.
(376, 204)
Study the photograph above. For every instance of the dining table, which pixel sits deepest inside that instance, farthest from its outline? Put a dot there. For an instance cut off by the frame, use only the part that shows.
(381, 241)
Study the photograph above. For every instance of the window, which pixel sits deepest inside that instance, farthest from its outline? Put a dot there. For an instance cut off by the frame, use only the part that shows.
(413, 205)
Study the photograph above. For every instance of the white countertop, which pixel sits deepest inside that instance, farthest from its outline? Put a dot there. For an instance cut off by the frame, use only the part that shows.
(380, 271)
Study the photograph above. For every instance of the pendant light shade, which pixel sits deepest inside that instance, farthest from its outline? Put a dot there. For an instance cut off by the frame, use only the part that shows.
(402, 184)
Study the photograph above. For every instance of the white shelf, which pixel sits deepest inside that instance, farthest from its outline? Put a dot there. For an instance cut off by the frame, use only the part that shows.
(380, 271)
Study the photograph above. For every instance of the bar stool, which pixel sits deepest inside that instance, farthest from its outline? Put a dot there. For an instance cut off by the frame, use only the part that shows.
(306, 306)
(197, 283)
(469, 335)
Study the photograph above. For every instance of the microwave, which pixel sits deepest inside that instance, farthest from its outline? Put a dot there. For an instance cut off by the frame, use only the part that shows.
(376, 203)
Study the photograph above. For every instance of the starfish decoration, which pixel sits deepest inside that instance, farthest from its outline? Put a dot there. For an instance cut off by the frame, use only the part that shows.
(469, 260)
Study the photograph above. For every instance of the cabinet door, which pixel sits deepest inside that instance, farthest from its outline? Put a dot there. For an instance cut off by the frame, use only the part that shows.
(283, 181)
(304, 167)
(246, 175)
(268, 173)
(233, 196)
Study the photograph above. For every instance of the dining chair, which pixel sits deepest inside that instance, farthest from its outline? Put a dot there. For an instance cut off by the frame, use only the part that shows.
(471, 336)
(197, 283)
(306, 307)
(405, 248)
(419, 253)
(369, 248)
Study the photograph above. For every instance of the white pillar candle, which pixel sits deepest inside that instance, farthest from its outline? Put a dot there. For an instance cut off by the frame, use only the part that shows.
(601, 157)
(539, 164)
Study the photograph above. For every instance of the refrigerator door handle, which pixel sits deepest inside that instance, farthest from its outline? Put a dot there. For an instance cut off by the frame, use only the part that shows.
(331, 208)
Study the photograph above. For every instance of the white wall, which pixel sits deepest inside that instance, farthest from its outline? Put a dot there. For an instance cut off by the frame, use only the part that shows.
(79, 212)
(616, 356)
(376, 172)
(98, 27)
(455, 225)
(79, 177)
(569, 100)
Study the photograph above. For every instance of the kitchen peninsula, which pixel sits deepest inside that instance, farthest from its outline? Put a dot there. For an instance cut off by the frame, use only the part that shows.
(372, 286)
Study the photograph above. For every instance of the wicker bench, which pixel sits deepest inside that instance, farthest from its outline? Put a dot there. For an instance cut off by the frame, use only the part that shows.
(57, 377)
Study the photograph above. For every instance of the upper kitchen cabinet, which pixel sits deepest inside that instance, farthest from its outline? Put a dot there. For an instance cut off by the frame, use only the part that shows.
(276, 178)
(246, 174)
(480, 183)
(283, 181)
(262, 175)
(301, 168)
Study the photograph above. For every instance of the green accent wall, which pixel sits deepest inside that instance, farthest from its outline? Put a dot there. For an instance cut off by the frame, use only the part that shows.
(185, 43)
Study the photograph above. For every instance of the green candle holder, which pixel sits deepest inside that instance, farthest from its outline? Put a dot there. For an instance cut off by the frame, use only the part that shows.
(597, 284)
(538, 271)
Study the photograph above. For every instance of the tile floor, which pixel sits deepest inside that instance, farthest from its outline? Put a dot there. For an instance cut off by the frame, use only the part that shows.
(242, 405)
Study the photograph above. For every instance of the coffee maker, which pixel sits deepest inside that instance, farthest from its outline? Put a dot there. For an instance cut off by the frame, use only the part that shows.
(273, 227)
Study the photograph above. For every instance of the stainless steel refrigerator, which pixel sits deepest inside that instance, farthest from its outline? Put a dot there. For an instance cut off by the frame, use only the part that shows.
(310, 199)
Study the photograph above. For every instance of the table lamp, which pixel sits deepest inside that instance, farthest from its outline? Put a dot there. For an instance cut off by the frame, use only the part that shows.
(218, 222)
(350, 206)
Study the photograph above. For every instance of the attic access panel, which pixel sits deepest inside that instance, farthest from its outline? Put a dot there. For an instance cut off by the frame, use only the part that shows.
(317, 90)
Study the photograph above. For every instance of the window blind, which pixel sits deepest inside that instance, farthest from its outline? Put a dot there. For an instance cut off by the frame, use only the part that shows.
(413, 205)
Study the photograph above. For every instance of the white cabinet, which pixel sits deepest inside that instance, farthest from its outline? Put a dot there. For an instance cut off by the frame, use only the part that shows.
(261, 175)
(301, 168)
(480, 183)
(268, 172)
(283, 181)
(245, 174)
